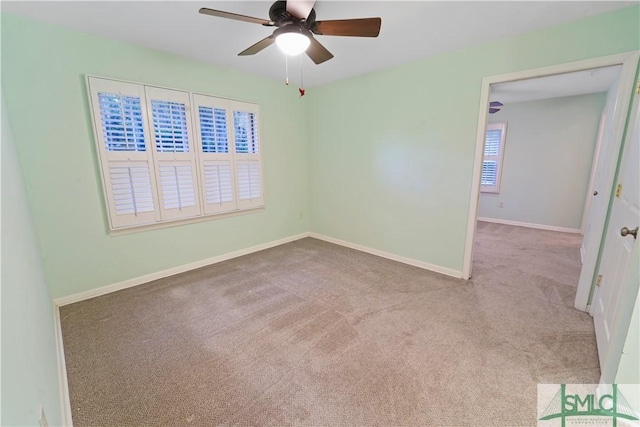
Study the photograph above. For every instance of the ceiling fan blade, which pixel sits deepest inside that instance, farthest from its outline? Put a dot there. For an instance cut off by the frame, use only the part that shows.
(363, 27)
(300, 8)
(317, 52)
(493, 110)
(237, 17)
(495, 104)
(266, 42)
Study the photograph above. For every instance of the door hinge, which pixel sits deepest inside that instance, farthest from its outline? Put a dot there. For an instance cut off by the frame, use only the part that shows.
(619, 190)
(599, 281)
(638, 87)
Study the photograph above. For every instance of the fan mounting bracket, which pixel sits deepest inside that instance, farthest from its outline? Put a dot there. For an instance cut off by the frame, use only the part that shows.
(280, 17)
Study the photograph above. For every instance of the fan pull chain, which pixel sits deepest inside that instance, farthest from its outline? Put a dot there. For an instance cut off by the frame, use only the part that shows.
(301, 89)
(286, 70)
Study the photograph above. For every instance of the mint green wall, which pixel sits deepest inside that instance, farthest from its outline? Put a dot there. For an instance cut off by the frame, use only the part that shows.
(629, 369)
(392, 151)
(547, 160)
(43, 81)
(383, 160)
(29, 357)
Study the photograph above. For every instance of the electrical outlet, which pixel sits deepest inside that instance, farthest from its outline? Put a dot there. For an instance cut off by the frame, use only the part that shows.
(501, 205)
(43, 418)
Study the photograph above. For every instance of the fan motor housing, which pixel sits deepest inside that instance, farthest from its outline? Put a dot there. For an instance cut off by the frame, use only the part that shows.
(278, 14)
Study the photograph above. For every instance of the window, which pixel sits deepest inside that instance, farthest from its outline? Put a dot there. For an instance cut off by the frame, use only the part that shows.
(493, 155)
(169, 155)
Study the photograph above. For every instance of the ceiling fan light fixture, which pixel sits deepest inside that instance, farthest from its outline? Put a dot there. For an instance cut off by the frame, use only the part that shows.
(292, 40)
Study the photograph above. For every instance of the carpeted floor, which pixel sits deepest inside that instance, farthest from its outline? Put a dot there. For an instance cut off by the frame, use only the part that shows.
(310, 333)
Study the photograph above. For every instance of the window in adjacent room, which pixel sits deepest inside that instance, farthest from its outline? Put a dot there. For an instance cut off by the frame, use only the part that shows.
(493, 156)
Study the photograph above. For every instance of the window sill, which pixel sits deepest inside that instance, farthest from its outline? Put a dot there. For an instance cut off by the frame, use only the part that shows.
(194, 220)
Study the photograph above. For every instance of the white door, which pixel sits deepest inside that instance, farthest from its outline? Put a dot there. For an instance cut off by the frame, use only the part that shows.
(591, 191)
(614, 298)
(602, 181)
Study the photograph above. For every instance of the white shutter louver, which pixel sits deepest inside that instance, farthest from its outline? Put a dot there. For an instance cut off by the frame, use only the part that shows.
(216, 159)
(177, 186)
(122, 122)
(245, 125)
(218, 184)
(131, 187)
(492, 142)
(493, 155)
(174, 152)
(247, 156)
(489, 172)
(122, 140)
(170, 126)
(213, 130)
(248, 180)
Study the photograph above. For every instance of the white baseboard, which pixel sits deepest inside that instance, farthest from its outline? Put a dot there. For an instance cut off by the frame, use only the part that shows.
(92, 293)
(424, 265)
(65, 402)
(81, 296)
(530, 225)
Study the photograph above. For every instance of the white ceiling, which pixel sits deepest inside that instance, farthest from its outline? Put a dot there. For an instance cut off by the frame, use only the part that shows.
(596, 80)
(410, 30)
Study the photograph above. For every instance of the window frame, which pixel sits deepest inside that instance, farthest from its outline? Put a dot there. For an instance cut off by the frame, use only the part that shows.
(161, 218)
(499, 158)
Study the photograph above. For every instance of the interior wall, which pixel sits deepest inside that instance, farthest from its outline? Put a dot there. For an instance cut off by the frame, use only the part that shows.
(548, 154)
(628, 375)
(392, 151)
(44, 69)
(29, 356)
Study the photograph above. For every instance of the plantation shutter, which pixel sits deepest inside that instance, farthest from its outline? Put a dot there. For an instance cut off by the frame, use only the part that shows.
(122, 139)
(248, 163)
(174, 151)
(493, 155)
(169, 155)
(213, 124)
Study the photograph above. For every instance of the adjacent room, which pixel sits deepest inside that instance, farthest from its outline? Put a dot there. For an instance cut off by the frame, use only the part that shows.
(316, 212)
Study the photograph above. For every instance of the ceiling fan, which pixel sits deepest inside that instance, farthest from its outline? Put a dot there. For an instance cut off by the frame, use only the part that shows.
(296, 24)
(494, 106)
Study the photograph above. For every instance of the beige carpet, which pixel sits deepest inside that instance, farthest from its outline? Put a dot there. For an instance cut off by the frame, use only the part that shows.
(310, 333)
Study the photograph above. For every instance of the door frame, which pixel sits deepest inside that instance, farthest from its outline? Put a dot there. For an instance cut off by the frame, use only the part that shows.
(629, 63)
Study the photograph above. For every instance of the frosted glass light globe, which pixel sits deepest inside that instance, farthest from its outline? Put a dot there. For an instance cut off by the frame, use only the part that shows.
(292, 43)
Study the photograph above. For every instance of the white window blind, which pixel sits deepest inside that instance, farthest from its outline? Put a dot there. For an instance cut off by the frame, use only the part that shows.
(170, 126)
(232, 177)
(174, 153)
(248, 180)
(176, 181)
(131, 186)
(169, 155)
(248, 162)
(127, 164)
(246, 131)
(216, 160)
(493, 155)
(213, 129)
(122, 123)
(218, 183)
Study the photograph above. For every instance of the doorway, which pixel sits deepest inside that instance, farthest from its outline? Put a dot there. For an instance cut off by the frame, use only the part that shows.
(541, 141)
(628, 63)
(601, 183)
